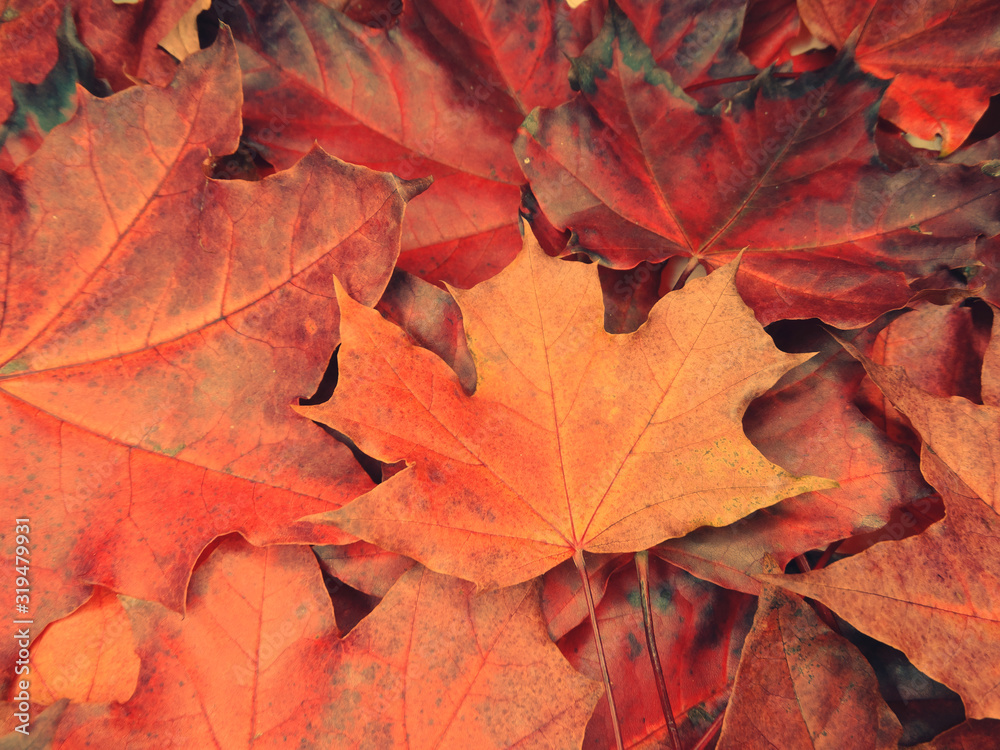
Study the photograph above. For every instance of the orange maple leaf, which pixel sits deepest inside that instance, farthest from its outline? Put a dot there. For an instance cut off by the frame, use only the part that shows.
(256, 662)
(575, 439)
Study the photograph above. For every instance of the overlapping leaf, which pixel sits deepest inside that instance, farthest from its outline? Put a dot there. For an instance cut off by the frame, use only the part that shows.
(938, 587)
(942, 58)
(256, 662)
(787, 170)
(801, 685)
(808, 423)
(125, 38)
(439, 91)
(941, 347)
(575, 439)
(158, 324)
(86, 658)
(699, 631)
(696, 42)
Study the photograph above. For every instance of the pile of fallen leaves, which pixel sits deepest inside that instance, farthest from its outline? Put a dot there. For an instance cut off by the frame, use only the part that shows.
(452, 373)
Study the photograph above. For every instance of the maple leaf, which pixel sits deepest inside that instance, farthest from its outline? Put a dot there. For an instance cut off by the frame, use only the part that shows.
(941, 58)
(404, 97)
(156, 326)
(256, 661)
(575, 439)
(800, 684)
(788, 170)
(937, 587)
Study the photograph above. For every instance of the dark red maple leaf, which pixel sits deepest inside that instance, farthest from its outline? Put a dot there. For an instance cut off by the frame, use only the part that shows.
(439, 91)
(787, 170)
(942, 58)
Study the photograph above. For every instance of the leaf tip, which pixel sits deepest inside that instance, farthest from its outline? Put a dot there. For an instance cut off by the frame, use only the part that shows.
(410, 189)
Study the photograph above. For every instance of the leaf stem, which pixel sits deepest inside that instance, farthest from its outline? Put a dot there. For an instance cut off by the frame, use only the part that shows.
(827, 554)
(712, 731)
(688, 270)
(642, 569)
(581, 566)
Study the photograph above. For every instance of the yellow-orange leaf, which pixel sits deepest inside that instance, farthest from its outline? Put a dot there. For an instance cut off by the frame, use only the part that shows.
(88, 657)
(574, 438)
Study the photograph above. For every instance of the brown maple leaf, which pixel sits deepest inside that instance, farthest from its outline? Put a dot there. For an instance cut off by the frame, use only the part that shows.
(575, 439)
(933, 596)
(801, 685)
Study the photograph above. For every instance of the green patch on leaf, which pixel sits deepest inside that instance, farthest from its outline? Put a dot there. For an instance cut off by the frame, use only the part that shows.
(15, 365)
